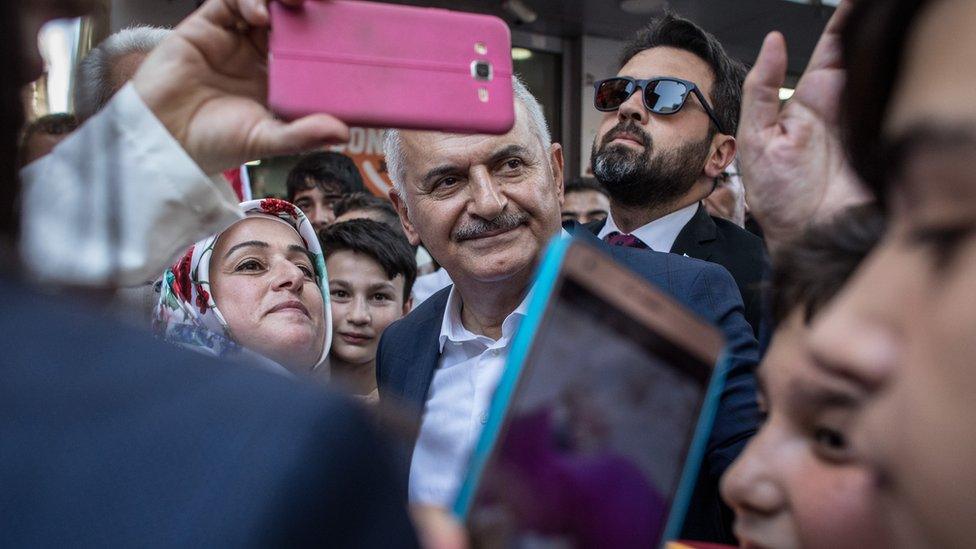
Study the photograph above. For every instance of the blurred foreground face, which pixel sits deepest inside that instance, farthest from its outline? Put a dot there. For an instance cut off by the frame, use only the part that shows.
(904, 330)
(264, 284)
(585, 206)
(483, 205)
(796, 484)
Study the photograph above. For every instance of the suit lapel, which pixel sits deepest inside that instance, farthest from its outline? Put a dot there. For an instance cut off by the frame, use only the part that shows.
(697, 237)
(424, 353)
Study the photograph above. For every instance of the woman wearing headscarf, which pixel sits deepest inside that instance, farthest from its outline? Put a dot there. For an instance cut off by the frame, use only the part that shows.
(256, 292)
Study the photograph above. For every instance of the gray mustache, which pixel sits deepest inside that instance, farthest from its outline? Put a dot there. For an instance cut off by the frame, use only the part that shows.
(479, 227)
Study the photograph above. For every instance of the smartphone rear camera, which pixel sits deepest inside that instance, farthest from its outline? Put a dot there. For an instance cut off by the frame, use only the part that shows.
(481, 70)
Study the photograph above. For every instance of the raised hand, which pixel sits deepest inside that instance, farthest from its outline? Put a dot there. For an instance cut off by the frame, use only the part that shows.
(207, 84)
(792, 161)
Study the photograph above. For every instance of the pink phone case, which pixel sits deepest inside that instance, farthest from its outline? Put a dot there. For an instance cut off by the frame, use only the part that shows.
(391, 66)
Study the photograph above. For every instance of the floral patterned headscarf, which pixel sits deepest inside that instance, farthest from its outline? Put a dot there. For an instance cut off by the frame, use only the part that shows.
(187, 313)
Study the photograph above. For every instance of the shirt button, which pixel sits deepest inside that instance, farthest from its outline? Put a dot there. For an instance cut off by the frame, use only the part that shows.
(484, 418)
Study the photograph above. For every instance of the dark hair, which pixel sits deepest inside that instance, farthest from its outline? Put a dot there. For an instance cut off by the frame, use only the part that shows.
(388, 247)
(809, 271)
(584, 184)
(874, 40)
(367, 202)
(324, 168)
(672, 31)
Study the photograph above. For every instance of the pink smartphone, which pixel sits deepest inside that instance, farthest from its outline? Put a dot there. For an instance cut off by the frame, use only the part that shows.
(390, 66)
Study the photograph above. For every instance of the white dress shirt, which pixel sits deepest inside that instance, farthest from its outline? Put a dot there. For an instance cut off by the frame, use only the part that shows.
(660, 234)
(121, 161)
(460, 395)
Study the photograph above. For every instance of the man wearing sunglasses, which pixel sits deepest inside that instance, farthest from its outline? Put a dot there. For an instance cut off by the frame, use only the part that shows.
(670, 117)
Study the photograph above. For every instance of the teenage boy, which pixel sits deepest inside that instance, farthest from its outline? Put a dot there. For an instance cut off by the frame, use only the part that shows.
(371, 273)
(318, 181)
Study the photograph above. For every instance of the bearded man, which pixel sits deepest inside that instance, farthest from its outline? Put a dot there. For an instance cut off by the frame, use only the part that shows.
(666, 137)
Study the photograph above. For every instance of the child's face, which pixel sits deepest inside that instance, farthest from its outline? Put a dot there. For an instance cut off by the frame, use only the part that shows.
(364, 303)
(796, 484)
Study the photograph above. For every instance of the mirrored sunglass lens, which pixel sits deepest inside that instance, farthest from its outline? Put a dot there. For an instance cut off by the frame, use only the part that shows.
(665, 96)
(611, 94)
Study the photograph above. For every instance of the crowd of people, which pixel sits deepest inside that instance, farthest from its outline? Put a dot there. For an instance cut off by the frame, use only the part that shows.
(828, 238)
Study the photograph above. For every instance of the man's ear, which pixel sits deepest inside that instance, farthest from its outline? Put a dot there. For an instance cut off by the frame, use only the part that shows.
(723, 153)
(407, 306)
(556, 164)
(401, 208)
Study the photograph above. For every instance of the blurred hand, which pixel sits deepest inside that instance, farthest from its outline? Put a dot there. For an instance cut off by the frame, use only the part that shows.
(437, 528)
(208, 83)
(792, 161)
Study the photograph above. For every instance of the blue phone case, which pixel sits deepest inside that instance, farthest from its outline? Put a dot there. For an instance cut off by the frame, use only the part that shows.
(546, 281)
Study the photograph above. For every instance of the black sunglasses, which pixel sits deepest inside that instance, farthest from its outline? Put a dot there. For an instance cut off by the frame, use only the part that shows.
(662, 95)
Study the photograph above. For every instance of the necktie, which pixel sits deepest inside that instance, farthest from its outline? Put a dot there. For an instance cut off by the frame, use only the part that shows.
(626, 240)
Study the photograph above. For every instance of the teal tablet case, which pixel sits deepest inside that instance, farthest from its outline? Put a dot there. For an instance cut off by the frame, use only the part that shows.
(546, 281)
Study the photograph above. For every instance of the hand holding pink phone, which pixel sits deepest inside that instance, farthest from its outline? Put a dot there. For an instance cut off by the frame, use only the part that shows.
(390, 66)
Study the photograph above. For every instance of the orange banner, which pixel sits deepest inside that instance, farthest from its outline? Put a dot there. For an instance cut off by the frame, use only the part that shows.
(365, 147)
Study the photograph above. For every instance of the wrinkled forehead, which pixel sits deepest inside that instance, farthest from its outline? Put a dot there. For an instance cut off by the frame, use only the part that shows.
(938, 77)
(666, 61)
(424, 151)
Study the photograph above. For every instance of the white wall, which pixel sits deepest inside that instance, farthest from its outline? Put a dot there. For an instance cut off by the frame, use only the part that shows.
(599, 61)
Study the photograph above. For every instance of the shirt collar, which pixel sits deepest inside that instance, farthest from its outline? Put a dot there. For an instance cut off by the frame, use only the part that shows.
(660, 234)
(452, 329)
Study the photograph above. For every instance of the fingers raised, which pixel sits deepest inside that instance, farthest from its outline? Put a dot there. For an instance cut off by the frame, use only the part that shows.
(760, 91)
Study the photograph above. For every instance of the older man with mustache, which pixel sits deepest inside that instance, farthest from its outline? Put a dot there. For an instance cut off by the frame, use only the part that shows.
(485, 207)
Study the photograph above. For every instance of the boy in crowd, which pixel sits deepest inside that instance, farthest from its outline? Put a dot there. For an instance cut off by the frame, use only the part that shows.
(371, 273)
(318, 181)
(797, 483)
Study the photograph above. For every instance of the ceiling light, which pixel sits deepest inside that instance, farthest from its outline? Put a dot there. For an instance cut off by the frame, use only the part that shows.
(785, 93)
(521, 54)
(641, 7)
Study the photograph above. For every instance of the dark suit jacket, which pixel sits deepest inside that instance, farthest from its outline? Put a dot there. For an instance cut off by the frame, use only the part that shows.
(720, 241)
(408, 354)
(113, 439)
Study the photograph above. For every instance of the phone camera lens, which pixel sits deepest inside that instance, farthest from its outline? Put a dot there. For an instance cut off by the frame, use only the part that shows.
(481, 70)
